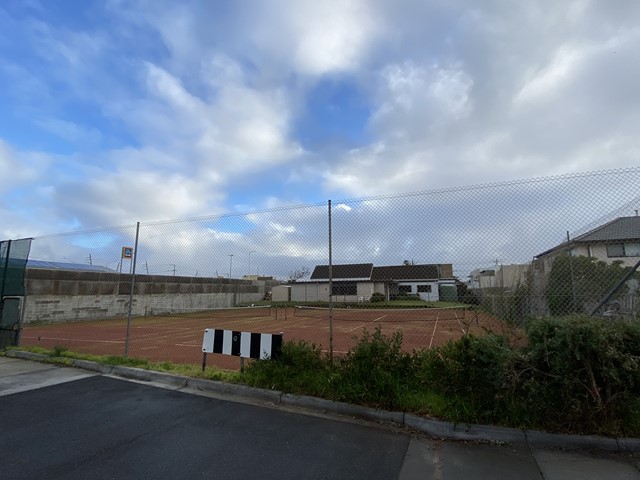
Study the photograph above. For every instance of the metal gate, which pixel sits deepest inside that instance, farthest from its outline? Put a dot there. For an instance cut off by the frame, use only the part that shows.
(13, 265)
(10, 321)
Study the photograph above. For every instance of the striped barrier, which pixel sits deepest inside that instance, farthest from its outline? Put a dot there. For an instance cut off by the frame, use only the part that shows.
(260, 346)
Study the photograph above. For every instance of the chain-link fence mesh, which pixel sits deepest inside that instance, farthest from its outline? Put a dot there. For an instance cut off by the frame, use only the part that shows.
(434, 265)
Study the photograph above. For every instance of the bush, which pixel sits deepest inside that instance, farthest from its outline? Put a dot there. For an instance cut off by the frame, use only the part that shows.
(476, 372)
(466, 295)
(377, 297)
(374, 371)
(578, 281)
(578, 375)
(582, 373)
(300, 368)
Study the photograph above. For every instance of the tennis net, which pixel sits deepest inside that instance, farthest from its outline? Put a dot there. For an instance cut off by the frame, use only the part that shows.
(381, 314)
(251, 311)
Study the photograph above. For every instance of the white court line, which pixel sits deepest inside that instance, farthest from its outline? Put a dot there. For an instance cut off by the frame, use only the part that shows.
(76, 340)
(366, 323)
(434, 331)
(464, 332)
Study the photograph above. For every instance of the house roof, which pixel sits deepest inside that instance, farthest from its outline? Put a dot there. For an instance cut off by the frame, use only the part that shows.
(620, 229)
(623, 228)
(405, 272)
(351, 271)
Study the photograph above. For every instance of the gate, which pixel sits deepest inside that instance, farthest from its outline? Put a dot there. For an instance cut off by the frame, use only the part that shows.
(13, 264)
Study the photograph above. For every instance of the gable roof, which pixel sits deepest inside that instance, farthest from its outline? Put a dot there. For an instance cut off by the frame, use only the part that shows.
(405, 272)
(622, 228)
(351, 271)
(617, 230)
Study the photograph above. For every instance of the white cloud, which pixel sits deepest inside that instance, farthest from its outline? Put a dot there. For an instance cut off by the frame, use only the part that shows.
(18, 169)
(203, 99)
(416, 102)
(329, 36)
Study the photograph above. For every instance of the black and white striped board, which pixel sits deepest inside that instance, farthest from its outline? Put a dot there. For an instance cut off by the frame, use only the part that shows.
(242, 344)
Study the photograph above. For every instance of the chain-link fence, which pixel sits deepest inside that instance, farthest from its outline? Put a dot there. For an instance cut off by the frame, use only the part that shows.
(434, 265)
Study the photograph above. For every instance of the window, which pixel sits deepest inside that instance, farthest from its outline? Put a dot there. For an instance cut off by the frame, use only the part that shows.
(344, 288)
(404, 288)
(623, 249)
(632, 249)
(424, 288)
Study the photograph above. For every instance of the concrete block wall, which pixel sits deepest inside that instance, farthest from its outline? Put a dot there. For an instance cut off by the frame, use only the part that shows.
(70, 308)
(55, 296)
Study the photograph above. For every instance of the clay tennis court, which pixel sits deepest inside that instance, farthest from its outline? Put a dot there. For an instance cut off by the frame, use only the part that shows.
(178, 337)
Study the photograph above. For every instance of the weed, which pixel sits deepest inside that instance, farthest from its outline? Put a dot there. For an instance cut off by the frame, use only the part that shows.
(58, 350)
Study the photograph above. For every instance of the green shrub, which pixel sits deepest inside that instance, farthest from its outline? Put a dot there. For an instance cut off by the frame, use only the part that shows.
(59, 350)
(582, 373)
(575, 375)
(477, 371)
(576, 281)
(374, 371)
(377, 297)
(300, 368)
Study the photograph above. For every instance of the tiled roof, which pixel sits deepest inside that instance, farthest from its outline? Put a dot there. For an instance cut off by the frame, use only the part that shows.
(343, 272)
(623, 228)
(405, 272)
(620, 229)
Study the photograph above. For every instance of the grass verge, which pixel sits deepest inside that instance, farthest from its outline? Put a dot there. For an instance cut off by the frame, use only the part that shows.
(60, 355)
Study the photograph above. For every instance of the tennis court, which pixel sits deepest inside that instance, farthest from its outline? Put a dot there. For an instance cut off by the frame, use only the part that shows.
(177, 337)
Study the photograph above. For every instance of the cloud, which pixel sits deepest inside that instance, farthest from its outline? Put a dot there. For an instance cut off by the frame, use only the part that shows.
(196, 108)
(491, 100)
(321, 37)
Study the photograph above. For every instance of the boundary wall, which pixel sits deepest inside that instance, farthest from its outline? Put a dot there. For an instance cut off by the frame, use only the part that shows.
(56, 296)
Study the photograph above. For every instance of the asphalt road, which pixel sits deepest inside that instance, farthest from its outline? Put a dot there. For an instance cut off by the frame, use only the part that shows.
(66, 423)
(103, 427)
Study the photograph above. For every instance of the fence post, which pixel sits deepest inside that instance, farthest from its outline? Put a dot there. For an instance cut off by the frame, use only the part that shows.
(573, 285)
(330, 290)
(133, 282)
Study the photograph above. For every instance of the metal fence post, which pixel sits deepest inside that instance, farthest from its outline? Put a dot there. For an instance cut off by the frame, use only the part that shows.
(330, 289)
(133, 282)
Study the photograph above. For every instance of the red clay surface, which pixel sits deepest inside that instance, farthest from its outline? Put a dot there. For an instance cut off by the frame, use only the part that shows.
(178, 338)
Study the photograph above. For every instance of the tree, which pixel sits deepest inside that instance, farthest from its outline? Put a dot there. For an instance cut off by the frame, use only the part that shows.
(408, 262)
(298, 274)
(576, 282)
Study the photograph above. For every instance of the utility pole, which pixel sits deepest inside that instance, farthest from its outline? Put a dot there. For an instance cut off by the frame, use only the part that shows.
(230, 264)
(90, 260)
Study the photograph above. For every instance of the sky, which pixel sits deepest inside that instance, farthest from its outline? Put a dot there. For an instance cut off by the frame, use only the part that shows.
(119, 111)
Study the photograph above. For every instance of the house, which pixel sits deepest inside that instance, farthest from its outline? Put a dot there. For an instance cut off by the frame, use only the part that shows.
(617, 240)
(421, 280)
(507, 277)
(482, 278)
(357, 282)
